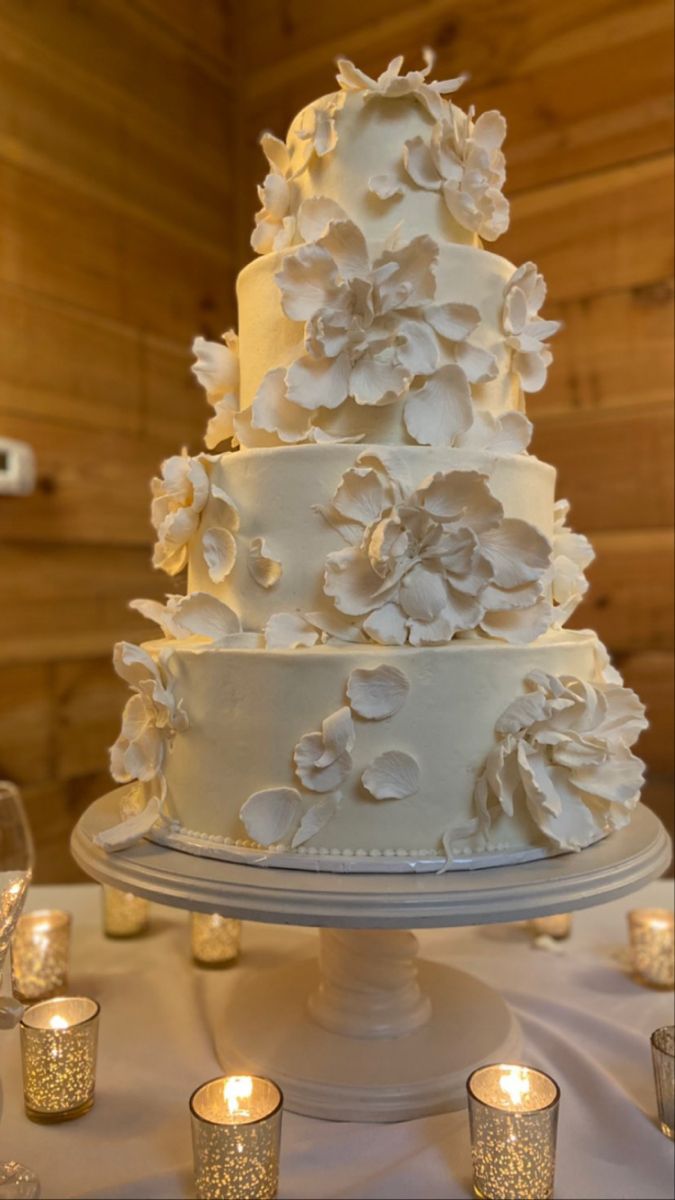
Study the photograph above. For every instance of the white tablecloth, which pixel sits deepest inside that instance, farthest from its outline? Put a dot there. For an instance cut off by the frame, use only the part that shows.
(584, 1020)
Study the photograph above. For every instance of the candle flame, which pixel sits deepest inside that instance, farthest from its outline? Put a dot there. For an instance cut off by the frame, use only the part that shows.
(236, 1088)
(57, 1022)
(516, 1084)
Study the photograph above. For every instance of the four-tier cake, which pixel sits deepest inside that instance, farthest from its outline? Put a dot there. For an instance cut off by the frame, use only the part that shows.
(370, 663)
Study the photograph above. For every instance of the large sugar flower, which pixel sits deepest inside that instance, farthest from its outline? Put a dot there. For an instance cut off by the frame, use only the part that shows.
(180, 494)
(391, 84)
(151, 717)
(425, 563)
(217, 369)
(463, 160)
(274, 221)
(572, 553)
(563, 756)
(526, 333)
(370, 329)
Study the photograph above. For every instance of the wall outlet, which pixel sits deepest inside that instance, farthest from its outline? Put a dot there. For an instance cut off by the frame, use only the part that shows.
(17, 468)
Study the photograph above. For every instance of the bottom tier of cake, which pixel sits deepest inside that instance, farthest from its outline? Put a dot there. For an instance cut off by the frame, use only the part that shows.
(377, 751)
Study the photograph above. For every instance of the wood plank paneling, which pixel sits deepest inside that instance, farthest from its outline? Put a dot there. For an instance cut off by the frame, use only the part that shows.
(614, 465)
(630, 602)
(615, 349)
(61, 601)
(650, 674)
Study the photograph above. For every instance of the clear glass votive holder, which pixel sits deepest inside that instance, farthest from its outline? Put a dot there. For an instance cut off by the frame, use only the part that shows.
(41, 955)
(124, 915)
(663, 1059)
(236, 1133)
(652, 942)
(59, 1040)
(558, 926)
(513, 1117)
(215, 940)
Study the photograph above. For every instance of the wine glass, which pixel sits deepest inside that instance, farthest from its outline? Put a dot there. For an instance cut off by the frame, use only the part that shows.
(16, 868)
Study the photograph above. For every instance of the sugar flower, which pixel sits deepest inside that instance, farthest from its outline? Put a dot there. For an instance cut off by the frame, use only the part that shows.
(526, 333)
(391, 84)
(217, 369)
(563, 757)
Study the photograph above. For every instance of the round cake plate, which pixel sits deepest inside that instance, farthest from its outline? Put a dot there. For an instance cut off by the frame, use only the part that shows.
(384, 1040)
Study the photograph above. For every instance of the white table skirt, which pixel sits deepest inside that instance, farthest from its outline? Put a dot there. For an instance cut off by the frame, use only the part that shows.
(585, 1021)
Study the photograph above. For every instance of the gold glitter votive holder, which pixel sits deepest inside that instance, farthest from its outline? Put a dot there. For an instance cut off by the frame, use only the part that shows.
(59, 1040)
(663, 1059)
(513, 1116)
(215, 940)
(124, 915)
(558, 927)
(236, 1132)
(40, 955)
(652, 943)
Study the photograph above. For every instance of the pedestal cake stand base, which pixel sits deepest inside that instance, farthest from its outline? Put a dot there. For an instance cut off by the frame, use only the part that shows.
(365, 1033)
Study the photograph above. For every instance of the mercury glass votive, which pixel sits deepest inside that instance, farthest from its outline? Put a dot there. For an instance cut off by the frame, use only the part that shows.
(513, 1116)
(59, 1040)
(215, 940)
(124, 915)
(236, 1131)
(558, 926)
(652, 943)
(40, 955)
(663, 1059)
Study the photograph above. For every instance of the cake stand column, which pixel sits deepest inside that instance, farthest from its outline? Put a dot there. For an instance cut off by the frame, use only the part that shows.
(369, 985)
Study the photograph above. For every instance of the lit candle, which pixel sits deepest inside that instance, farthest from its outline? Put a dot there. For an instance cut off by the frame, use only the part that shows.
(652, 944)
(40, 954)
(558, 926)
(236, 1130)
(663, 1061)
(59, 1041)
(124, 915)
(214, 939)
(513, 1116)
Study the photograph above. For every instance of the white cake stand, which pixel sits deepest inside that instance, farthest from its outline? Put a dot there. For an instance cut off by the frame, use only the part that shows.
(366, 1033)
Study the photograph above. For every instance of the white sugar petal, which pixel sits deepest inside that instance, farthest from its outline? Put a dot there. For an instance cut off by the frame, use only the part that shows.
(263, 566)
(130, 831)
(377, 693)
(338, 735)
(271, 815)
(286, 630)
(315, 818)
(315, 214)
(392, 776)
(206, 616)
(220, 551)
(385, 186)
(440, 410)
(386, 626)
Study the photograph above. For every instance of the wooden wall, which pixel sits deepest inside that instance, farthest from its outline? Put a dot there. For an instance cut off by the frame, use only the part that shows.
(116, 247)
(586, 87)
(128, 163)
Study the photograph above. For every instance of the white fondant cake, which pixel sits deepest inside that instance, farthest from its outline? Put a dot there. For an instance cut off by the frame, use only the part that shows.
(370, 659)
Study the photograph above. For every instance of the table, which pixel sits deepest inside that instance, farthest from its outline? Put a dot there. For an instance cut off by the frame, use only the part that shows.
(584, 1020)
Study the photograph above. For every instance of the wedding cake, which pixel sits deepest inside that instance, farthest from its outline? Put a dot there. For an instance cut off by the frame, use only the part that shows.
(370, 669)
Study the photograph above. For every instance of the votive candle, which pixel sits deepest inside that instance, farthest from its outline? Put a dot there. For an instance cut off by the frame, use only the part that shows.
(513, 1116)
(59, 1040)
(124, 914)
(214, 939)
(236, 1131)
(652, 942)
(558, 926)
(663, 1060)
(40, 954)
